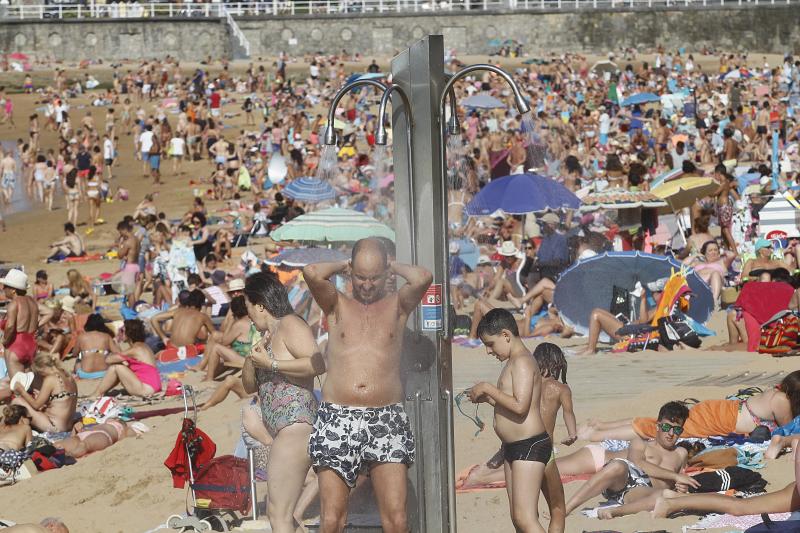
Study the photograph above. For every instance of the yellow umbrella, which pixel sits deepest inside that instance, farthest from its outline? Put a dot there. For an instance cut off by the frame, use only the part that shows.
(684, 192)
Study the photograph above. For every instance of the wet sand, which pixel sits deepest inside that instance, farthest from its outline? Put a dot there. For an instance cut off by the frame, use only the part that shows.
(126, 488)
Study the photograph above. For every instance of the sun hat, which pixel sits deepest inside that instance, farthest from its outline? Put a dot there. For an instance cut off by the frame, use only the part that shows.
(454, 247)
(26, 378)
(551, 218)
(508, 249)
(16, 279)
(236, 284)
(763, 243)
(68, 304)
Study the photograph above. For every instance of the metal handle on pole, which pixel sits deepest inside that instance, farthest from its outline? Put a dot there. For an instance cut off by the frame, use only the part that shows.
(451, 463)
(420, 466)
(253, 495)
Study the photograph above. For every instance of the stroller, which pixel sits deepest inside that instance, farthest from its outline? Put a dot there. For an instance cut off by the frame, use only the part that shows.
(223, 488)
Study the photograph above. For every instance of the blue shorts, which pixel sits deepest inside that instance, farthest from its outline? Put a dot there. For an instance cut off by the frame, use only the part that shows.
(603, 139)
(155, 161)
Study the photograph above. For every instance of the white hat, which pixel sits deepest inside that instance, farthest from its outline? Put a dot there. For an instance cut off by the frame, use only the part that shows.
(551, 218)
(236, 284)
(454, 247)
(508, 249)
(483, 259)
(26, 378)
(16, 279)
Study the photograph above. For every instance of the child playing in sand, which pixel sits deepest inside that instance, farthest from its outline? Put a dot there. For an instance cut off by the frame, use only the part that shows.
(527, 447)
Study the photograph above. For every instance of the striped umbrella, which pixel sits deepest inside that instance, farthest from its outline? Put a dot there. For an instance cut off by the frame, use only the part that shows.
(310, 190)
(779, 219)
(332, 225)
(684, 192)
(300, 257)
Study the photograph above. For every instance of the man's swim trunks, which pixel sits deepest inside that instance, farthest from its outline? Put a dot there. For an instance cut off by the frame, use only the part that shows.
(345, 439)
(636, 478)
(538, 448)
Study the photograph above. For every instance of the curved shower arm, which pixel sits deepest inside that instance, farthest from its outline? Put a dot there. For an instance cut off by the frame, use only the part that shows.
(330, 132)
(380, 136)
(522, 107)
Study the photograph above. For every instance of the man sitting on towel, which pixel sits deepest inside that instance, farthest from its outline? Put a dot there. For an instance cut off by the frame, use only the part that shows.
(191, 327)
(637, 482)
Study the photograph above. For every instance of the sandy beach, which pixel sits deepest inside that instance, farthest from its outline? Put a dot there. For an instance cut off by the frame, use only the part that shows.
(126, 488)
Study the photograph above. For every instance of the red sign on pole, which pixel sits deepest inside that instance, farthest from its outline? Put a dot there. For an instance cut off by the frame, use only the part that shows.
(433, 296)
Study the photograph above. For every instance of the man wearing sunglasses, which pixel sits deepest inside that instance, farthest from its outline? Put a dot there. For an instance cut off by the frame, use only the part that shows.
(636, 483)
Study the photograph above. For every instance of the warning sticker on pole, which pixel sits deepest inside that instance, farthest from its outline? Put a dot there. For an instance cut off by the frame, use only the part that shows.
(432, 308)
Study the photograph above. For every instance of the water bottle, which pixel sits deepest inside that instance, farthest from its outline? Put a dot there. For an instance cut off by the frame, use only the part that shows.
(237, 224)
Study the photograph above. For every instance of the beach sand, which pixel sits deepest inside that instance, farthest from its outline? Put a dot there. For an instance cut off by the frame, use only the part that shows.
(126, 488)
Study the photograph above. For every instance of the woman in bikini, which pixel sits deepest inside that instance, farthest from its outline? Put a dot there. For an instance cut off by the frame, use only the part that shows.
(134, 368)
(232, 346)
(712, 266)
(15, 432)
(93, 193)
(99, 437)
(42, 289)
(53, 407)
(72, 195)
(282, 367)
(92, 346)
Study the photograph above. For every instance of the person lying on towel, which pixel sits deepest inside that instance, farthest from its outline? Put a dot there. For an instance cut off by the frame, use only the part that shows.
(190, 328)
(772, 408)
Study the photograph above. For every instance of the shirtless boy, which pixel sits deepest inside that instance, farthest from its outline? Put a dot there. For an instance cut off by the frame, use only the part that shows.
(527, 447)
(190, 325)
(129, 259)
(651, 467)
(8, 182)
(363, 388)
(19, 326)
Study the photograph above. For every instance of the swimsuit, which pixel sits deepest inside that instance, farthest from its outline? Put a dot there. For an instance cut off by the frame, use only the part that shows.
(636, 478)
(282, 402)
(716, 267)
(146, 373)
(538, 448)
(242, 348)
(346, 439)
(24, 345)
(9, 180)
(82, 374)
(771, 424)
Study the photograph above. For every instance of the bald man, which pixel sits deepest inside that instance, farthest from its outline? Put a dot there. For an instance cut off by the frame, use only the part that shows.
(361, 424)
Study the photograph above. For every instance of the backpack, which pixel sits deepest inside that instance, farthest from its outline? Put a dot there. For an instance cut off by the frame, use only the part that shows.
(225, 482)
(780, 335)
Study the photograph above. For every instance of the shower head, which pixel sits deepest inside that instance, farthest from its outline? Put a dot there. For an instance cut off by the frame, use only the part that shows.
(330, 133)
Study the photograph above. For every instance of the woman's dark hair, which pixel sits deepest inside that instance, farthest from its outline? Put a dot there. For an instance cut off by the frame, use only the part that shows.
(551, 361)
(95, 322)
(200, 217)
(134, 330)
(702, 222)
(238, 307)
(264, 288)
(12, 414)
(790, 386)
(71, 178)
(706, 245)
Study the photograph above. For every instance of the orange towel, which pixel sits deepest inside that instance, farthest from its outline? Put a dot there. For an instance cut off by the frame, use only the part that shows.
(706, 419)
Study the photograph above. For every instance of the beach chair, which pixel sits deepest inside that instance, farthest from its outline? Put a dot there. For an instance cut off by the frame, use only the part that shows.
(223, 489)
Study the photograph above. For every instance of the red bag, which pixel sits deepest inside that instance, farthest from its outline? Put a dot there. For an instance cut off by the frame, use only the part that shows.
(225, 480)
(780, 335)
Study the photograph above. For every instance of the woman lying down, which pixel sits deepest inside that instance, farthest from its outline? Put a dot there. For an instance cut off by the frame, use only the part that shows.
(98, 437)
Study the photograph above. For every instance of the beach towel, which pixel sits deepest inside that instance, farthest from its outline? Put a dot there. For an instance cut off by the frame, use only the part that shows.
(763, 300)
(174, 353)
(203, 449)
(707, 418)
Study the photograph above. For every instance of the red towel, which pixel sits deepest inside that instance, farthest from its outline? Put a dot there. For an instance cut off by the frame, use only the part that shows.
(764, 299)
(177, 461)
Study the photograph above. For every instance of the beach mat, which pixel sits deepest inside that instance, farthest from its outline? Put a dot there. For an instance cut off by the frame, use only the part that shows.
(84, 258)
(178, 366)
(462, 477)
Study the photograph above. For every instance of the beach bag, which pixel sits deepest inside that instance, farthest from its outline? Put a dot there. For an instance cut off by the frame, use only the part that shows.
(779, 336)
(621, 304)
(224, 482)
(731, 477)
(672, 331)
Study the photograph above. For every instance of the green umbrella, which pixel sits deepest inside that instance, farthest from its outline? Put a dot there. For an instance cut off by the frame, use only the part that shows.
(332, 225)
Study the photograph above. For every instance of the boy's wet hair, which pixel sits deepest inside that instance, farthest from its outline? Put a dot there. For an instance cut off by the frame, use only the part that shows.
(551, 361)
(496, 321)
(674, 412)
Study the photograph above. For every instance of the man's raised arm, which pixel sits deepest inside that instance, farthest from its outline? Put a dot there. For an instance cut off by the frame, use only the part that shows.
(418, 278)
(322, 289)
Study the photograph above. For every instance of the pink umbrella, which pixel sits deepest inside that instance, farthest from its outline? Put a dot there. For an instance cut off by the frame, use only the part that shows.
(385, 182)
(19, 56)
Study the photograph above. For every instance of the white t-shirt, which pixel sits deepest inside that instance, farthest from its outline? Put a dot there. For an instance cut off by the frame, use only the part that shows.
(605, 123)
(176, 145)
(314, 70)
(146, 141)
(108, 149)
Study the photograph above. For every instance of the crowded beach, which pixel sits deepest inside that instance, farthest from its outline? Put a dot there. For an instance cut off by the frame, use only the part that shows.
(191, 236)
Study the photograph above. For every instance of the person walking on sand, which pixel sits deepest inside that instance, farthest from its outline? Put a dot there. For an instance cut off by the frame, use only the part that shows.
(363, 390)
(8, 182)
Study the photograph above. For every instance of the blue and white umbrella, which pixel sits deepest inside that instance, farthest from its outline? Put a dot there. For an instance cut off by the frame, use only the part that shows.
(520, 194)
(482, 101)
(640, 98)
(310, 190)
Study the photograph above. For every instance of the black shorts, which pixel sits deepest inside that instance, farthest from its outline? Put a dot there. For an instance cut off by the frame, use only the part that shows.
(538, 448)
(761, 130)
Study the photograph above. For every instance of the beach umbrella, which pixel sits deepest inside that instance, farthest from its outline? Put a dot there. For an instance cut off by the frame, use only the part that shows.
(18, 56)
(482, 101)
(683, 192)
(619, 198)
(468, 251)
(601, 67)
(669, 175)
(333, 224)
(520, 194)
(589, 284)
(300, 257)
(310, 190)
(640, 98)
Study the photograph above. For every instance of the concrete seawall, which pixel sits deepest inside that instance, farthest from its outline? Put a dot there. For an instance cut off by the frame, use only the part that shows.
(766, 28)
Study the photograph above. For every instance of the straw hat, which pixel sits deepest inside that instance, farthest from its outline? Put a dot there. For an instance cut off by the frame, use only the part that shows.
(508, 249)
(16, 279)
(236, 284)
(68, 304)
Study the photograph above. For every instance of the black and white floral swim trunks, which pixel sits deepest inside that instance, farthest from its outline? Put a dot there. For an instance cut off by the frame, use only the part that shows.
(345, 439)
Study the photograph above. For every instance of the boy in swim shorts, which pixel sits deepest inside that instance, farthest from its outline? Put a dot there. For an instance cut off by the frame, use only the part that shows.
(527, 447)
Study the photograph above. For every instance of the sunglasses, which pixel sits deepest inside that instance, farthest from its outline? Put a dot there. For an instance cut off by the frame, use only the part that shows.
(676, 430)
